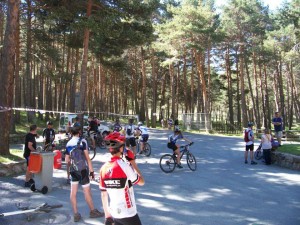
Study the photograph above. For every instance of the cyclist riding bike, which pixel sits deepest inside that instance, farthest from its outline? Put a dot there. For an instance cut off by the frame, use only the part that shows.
(173, 138)
(92, 130)
(49, 135)
(143, 135)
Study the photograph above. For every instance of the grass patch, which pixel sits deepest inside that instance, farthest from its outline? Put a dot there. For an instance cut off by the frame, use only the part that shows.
(14, 156)
(293, 149)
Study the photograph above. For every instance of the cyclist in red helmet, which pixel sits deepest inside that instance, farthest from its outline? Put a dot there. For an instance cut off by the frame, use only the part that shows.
(116, 179)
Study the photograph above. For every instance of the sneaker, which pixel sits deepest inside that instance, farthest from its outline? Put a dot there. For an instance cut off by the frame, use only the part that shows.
(31, 181)
(141, 152)
(253, 163)
(77, 217)
(179, 166)
(95, 213)
(27, 184)
(246, 161)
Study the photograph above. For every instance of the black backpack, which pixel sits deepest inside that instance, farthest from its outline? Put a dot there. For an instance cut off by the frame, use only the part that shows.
(78, 160)
(129, 131)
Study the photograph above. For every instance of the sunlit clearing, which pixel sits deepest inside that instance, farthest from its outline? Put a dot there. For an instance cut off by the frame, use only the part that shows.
(281, 178)
(223, 191)
(148, 203)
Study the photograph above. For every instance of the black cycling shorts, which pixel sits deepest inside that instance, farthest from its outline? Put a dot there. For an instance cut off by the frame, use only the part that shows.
(249, 147)
(135, 220)
(130, 141)
(81, 177)
(145, 137)
(172, 146)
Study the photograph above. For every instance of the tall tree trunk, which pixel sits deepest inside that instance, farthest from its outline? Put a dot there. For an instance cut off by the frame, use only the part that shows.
(229, 86)
(7, 72)
(83, 80)
(154, 90)
(143, 89)
(256, 102)
(18, 84)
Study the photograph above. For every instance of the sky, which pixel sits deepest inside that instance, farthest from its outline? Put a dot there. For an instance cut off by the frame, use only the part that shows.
(273, 4)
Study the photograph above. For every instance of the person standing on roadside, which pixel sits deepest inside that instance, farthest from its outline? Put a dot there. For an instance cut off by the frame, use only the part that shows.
(266, 145)
(49, 135)
(117, 178)
(249, 139)
(277, 122)
(30, 146)
(130, 130)
(81, 177)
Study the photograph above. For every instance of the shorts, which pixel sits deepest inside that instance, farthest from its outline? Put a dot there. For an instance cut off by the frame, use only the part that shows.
(80, 177)
(130, 142)
(92, 134)
(144, 137)
(250, 147)
(27, 160)
(135, 220)
(172, 146)
(278, 134)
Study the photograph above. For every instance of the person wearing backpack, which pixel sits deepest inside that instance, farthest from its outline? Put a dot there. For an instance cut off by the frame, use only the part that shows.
(130, 130)
(249, 139)
(81, 169)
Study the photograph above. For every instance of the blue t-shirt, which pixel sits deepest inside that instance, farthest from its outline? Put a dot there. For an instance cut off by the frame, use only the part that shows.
(173, 138)
(276, 120)
(73, 143)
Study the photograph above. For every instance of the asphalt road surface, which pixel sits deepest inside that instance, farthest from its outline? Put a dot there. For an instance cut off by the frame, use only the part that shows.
(222, 191)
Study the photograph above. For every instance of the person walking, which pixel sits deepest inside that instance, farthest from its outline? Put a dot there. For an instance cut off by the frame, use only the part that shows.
(30, 146)
(266, 145)
(249, 139)
(82, 176)
(117, 178)
(277, 122)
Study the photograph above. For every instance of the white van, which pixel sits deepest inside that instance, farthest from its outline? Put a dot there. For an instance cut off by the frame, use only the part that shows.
(66, 121)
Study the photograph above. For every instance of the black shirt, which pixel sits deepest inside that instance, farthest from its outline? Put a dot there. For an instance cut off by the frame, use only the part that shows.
(93, 126)
(49, 134)
(29, 138)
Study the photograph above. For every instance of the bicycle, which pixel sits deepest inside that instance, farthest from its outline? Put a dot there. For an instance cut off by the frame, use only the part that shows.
(258, 154)
(147, 147)
(46, 148)
(168, 163)
(43, 208)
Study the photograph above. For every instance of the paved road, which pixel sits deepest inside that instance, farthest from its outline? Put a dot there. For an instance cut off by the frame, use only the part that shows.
(223, 190)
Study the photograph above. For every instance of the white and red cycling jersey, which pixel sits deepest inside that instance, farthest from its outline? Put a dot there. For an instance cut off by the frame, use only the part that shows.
(117, 178)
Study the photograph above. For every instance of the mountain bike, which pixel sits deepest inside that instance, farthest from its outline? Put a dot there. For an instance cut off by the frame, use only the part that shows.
(258, 154)
(46, 148)
(147, 147)
(168, 163)
(43, 208)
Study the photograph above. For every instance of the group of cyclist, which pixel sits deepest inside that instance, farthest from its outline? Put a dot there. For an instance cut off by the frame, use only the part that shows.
(121, 143)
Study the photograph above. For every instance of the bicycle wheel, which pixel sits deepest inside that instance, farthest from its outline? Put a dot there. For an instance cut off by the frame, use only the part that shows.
(167, 163)
(147, 149)
(258, 154)
(92, 152)
(100, 142)
(191, 161)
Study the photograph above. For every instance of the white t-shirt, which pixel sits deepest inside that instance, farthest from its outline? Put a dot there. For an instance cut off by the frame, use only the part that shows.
(131, 128)
(117, 178)
(144, 130)
(266, 141)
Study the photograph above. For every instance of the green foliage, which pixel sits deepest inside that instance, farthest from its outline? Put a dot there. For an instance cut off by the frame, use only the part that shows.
(14, 156)
(293, 149)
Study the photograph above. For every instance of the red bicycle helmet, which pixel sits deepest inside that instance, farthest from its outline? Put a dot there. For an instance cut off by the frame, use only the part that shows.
(114, 140)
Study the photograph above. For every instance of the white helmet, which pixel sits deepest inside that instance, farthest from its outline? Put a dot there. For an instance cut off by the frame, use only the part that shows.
(140, 123)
